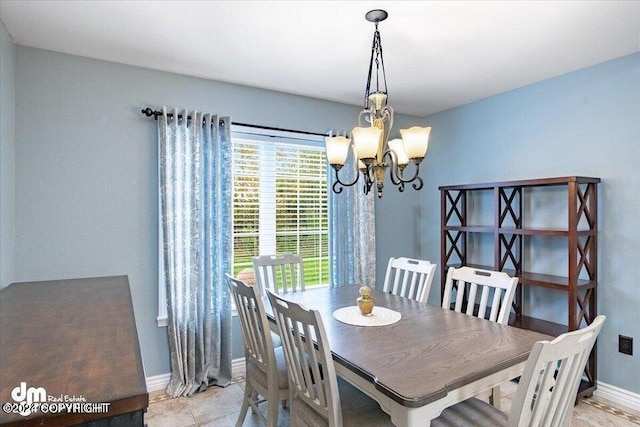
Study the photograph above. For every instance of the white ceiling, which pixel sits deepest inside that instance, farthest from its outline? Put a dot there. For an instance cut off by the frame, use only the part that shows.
(438, 54)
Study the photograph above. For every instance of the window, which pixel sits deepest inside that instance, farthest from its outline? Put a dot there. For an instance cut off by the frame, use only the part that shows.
(280, 200)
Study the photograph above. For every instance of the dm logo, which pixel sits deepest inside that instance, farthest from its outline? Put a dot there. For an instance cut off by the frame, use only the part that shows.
(29, 396)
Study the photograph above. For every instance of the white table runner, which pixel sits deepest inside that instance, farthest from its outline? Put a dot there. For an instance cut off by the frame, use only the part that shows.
(380, 316)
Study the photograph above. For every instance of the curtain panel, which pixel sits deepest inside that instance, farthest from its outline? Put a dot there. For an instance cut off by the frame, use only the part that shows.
(352, 237)
(196, 247)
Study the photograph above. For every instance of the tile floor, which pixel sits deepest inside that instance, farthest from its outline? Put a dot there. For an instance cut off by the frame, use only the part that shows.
(219, 407)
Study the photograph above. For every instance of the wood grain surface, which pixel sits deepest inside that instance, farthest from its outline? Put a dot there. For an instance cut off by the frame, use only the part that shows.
(72, 337)
(429, 352)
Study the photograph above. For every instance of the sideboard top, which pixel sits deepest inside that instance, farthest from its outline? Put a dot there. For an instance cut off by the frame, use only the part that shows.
(523, 183)
(72, 337)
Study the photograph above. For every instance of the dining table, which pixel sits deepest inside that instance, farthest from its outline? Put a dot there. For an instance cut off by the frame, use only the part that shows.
(429, 359)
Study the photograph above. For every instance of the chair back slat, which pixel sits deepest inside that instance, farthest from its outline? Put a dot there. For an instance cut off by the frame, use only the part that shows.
(496, 304)
(310, 365)
(409, 278)
(473, 289)
(546, 380)
(467, 282)
(551, 377)
(279, 273)
(460, 297)
(484, 301)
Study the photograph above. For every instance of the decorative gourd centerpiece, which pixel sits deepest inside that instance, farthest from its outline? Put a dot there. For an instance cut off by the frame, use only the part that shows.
(365, 302)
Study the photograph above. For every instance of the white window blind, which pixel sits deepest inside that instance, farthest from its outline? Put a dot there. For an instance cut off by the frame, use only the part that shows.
(280, 201)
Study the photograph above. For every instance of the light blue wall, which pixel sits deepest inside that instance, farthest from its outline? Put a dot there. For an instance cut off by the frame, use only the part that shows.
(85, 172)
(86, 184)
(7, 155)
(584, 123)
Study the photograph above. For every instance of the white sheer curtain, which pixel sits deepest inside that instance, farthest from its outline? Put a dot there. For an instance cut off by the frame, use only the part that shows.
(195, 217)
(352, 238)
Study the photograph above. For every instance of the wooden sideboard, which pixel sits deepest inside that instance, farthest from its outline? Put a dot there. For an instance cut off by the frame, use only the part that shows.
(77, 340)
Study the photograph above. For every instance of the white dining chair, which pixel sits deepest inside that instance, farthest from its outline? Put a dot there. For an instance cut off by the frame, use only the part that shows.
(473, 283)
(409, 278)
(547, 388)
(316, 392)
(279, 273)
(266, 373)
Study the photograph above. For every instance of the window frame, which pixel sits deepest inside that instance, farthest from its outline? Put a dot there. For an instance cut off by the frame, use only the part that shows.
(283, 137)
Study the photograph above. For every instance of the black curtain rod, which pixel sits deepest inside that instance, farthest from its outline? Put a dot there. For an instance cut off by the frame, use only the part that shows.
(156, 113)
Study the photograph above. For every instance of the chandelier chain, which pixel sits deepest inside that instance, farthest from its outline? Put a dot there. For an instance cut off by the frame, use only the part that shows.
(384, 74)
(368, 87)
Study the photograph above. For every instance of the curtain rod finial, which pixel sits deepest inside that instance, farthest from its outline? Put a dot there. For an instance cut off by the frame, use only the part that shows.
(148, 112)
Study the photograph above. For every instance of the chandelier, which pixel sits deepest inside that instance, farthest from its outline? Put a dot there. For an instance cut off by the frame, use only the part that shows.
(373, 151)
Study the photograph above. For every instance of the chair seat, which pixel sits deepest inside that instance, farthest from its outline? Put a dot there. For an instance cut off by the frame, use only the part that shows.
(358, 410)
(255, 372)
(471, 412)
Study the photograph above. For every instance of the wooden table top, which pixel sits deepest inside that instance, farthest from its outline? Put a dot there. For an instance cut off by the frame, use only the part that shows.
(424, 355)
(71, 337)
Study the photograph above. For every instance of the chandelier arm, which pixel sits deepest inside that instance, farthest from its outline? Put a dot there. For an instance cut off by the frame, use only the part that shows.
(369, 179)
(367, 120)
(418, 184)
(395, 174)
(387, 111)
(337, 189)
(413, 178)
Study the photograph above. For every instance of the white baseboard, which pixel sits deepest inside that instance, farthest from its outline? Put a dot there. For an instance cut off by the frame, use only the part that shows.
(617, 395)
(160, 382)
(238, 368)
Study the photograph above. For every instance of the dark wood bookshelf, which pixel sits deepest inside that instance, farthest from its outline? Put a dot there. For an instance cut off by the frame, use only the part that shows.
(550, 281)
(578, 287)
(538, 325)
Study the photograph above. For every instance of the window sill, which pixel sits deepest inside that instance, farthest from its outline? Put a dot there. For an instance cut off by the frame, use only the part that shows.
(162, 322)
